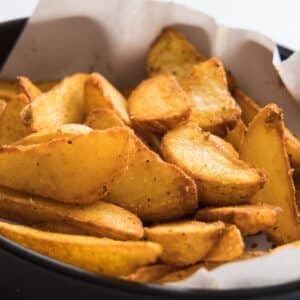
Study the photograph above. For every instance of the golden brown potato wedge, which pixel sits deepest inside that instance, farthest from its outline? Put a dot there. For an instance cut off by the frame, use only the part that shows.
(27, 87)
(98, 255)
(250, 108)
(172, 52)
(264, 147)
(63, 104)
(153, 189)
(98, 219)
(250, 219)
(8, 89)
(11, 126)
(65, 131)
(99, 93)
(187, 242)
(221, 179)
(103, 118)
(236, 135)
(77, 169)
(158, 104)
(149, 274)
(229, 247)
(213, 107)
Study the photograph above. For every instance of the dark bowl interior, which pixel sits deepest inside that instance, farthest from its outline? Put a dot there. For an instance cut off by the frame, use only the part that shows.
(26, 274)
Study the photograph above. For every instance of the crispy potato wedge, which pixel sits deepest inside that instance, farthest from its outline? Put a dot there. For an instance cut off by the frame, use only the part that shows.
(236, 135)
(150, 274)
(27, 87)
(250, 108)
(264, 147)
(229, 247)
(77, 169)
(98, 255)
(222, 179)
(103, 118)
(98, 219)
(250, 219)
(185, 243)
(213, 107)
(65, 131)
(172, 52)
(99, 93)
(8, 89)
(158, 104)
(63, 104)
(153, 189)
(11, 126)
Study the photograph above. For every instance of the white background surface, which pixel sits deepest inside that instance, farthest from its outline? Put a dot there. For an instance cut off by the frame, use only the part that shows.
(278, 19)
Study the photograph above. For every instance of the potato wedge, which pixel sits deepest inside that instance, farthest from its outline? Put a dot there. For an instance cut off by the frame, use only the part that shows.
(158, 104)
(98, 255)
(98, 219)
(250, 108)
(27, 87)
(99, 93)
(153, 189)
(213, 107)
(250, 219)
(264, 147)
(103, 118)
(77, 169)
(65, 131)
(11, 126)
(62, 104)
(149, 274)
(229, 247)
(221, 179)
(185, 243)
(172, 52)
(8, 89)
(236, 135)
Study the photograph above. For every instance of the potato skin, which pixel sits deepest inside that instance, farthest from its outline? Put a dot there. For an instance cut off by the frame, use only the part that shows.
(158, 104)
(185, 243)
(153, 189)
(213, 189)
(250, 219)
(93, 219)
(98, 255)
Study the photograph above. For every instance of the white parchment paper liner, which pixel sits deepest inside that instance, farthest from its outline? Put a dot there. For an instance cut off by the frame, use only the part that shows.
(113, 37)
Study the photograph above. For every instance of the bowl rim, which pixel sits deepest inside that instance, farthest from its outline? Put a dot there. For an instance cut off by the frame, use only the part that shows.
(76, 273)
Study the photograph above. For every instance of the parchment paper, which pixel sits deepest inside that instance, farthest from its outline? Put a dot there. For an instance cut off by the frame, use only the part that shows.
(113, 37)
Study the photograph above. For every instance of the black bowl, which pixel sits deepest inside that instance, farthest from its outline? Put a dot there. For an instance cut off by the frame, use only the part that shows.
(27, 275)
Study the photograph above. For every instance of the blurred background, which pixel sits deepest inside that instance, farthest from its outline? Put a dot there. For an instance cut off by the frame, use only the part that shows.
(277, 19)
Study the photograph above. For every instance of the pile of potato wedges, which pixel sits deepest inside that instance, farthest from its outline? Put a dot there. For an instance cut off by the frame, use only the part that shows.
(152, 186)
